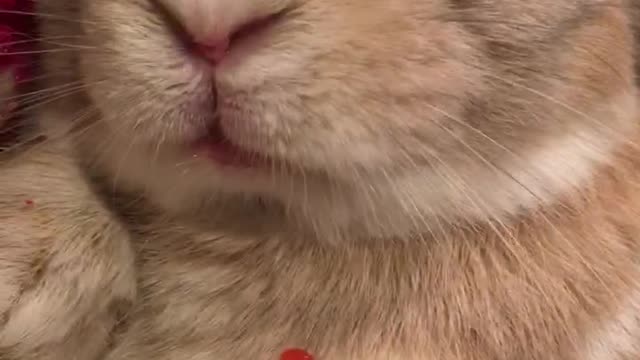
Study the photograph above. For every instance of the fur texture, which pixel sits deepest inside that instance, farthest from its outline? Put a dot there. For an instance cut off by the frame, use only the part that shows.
(447, 179)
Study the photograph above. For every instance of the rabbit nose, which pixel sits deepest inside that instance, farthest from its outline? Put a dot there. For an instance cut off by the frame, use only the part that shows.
(213, 26)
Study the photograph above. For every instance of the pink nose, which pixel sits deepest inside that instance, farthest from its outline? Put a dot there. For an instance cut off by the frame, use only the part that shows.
(214, 28)
(214, 47)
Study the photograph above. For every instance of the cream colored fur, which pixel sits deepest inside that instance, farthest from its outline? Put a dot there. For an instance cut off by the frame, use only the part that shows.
(451, 180)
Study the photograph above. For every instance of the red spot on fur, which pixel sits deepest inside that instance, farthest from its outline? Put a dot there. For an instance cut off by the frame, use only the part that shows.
(295, 354)
(29, 202)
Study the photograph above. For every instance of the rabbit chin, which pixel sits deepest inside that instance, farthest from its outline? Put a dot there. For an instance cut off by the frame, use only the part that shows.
(393, 206)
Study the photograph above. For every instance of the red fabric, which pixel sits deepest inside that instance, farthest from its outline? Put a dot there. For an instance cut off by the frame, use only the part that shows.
(17, 37)
(16, 28)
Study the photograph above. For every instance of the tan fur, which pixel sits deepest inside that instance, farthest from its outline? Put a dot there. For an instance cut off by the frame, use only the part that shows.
(453, 180)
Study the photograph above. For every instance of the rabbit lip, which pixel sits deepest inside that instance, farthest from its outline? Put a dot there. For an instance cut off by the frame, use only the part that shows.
(216, 146)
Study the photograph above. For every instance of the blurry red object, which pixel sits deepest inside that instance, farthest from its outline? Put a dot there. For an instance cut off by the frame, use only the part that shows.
(295, 354)
(18, 35)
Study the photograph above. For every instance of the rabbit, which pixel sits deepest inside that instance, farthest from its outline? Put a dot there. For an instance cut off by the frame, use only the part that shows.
(357, 179)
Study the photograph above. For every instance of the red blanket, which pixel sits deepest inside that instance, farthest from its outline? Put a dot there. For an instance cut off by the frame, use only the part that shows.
(17, 60)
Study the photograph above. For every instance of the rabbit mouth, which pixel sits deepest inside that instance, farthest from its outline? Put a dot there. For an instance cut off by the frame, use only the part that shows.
(221, 150)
